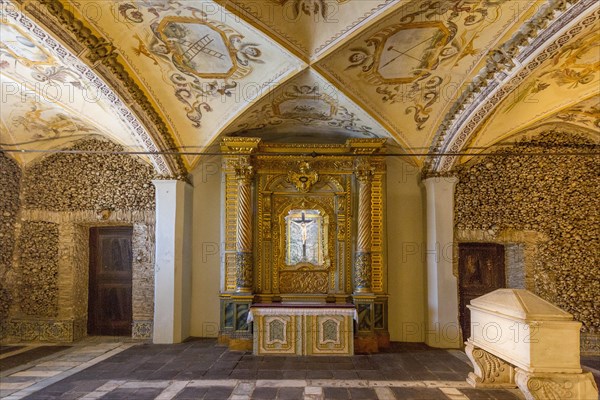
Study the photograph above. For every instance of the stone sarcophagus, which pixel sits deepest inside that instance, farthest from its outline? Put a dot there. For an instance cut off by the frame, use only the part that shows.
(519, 339)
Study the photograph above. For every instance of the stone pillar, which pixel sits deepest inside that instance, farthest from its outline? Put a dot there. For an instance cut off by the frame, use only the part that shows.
(362, 258)
(244, 173)
(173, 261)
(442, 286)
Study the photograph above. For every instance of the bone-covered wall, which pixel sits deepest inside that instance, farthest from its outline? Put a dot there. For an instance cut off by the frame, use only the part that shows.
(10, 182)
(92, 181)
(546, 185)
(38, 256)
(62, 196)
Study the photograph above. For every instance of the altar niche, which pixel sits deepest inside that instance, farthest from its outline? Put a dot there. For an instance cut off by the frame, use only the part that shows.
(304, 232)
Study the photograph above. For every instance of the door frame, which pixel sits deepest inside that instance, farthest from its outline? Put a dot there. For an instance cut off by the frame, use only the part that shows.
(92, 243)
(529, 240)
(462, 302)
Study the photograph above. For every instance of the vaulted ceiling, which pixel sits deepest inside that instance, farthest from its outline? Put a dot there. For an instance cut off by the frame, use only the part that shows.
(169, 78)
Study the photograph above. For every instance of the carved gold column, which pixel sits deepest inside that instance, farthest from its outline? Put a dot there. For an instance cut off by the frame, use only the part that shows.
(244, 172)
(362, 260)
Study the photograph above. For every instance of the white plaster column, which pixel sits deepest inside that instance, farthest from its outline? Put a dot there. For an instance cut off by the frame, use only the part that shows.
(173, 261)
(442, 328)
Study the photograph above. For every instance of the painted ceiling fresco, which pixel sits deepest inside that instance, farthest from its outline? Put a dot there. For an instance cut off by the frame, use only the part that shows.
(306, 108)
(408, 68)
(196, 60)
(46, 101)
(427, 75)
(309, 28)
(556, 88)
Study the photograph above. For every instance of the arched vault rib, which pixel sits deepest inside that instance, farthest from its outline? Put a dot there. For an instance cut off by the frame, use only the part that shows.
(507, 68)
(100, 63)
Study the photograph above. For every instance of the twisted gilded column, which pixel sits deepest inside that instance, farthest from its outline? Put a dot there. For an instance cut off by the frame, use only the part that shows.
(362, 258)
(244, 173)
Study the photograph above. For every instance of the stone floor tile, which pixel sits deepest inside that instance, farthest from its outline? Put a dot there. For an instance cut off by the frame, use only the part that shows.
(290, 393)
(15, 385)
(218, 393)
(418, 394)
(191, 393)
(294, 374)
(319, 374)
(330, 393)
(313, 390)
(344, 374)
(246, 374)
(269, 374)
(264, 393)
(36, 373)
(370, 375)
(384, 393)
(362, 394)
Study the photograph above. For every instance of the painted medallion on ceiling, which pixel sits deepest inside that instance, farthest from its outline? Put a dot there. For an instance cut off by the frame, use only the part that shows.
(408, 68)
(199, 48)
(310, 108)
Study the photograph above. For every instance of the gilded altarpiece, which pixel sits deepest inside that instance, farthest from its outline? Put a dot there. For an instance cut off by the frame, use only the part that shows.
(304, 229)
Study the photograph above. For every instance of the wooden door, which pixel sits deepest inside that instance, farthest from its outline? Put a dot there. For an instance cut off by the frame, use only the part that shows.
(480, 271)
(109, 306)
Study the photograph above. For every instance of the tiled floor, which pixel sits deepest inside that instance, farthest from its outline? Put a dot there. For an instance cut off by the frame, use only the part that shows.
(202, 370)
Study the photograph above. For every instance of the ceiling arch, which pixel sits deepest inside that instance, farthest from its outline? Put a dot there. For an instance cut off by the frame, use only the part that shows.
(50, 98)
(176, 76)
(563, 59)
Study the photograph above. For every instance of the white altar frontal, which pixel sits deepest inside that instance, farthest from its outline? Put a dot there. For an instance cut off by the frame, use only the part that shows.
(303, 329)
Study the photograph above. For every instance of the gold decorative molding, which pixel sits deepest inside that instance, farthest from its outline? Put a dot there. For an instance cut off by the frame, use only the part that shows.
(304, 178)
(333, 194)
(239, 145)
(303, 282)
(362, 264)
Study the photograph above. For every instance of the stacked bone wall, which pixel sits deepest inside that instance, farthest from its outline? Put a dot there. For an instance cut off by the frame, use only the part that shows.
(554, 197)
(10, 182)
(63, 195)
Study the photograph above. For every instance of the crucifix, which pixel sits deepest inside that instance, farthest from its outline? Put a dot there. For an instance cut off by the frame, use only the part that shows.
(303, 224)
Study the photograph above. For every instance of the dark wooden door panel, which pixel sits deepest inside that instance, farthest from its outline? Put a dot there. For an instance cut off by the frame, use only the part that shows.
(110, 305)
(480, 271)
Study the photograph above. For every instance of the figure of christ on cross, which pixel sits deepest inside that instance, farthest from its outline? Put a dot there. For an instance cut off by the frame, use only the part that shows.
(303, 224)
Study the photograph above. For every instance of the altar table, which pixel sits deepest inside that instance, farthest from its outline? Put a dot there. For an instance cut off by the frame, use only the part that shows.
(303, 329)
